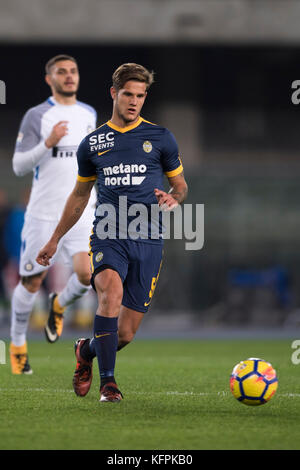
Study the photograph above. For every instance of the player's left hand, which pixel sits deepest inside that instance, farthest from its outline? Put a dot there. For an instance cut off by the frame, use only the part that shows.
(165, 200)
(46, 253)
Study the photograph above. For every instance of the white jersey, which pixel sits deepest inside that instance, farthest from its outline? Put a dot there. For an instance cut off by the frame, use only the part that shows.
(55, 173)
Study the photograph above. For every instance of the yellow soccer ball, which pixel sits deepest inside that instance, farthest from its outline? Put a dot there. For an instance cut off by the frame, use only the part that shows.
(253, 381)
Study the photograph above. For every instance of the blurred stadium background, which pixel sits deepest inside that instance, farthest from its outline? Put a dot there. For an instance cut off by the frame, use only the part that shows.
(224, 71)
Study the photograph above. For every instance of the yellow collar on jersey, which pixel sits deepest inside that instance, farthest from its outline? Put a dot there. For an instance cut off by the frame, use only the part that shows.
(127, 128)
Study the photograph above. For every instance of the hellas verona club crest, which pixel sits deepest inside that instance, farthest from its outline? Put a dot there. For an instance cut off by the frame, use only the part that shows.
(147, 146)
(99, 256)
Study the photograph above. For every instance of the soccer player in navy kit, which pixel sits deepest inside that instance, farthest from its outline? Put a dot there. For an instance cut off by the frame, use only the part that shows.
(127, 156)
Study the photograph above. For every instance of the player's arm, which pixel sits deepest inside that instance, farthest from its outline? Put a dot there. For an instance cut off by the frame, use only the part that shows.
(176, 195)
(173, 169)
(179, 187)
(75, 204)
(73, 210)
(30, 148)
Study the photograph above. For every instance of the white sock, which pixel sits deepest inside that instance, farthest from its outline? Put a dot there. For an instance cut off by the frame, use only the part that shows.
(21, 305)
(72, 291)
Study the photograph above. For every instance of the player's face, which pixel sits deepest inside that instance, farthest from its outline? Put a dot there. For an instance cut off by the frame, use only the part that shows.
(64, 78)
(129, 101)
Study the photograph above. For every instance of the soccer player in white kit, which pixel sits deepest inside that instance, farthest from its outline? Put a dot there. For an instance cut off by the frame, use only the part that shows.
(46, 145)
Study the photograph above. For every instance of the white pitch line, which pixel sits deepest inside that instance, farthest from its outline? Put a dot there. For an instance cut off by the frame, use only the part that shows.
(289, 395)
(13, 390)
(175, 393)
(35, 390)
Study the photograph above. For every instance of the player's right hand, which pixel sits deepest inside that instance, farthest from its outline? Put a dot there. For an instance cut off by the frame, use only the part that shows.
(58, 131)
(46, 253)
(165, 200)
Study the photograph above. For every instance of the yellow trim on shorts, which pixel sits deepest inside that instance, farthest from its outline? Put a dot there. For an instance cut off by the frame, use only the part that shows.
(90, 252)
(152, 290)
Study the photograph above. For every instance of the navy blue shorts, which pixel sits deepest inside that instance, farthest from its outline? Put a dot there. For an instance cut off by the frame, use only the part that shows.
(138, 264)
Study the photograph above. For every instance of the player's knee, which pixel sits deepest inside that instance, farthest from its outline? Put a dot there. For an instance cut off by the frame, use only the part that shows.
(32, 283)
(110, 293)
(109, 300)
(110, 303)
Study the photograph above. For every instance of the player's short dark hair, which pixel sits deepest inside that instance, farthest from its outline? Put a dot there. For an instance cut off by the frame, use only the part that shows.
(131, 71)
(58, 58)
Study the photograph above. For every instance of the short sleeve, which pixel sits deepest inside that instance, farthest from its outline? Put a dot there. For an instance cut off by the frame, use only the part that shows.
(29, 132)
(171, 162)
(86, 169)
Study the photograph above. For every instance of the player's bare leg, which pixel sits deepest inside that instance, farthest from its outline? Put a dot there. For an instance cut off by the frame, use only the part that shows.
(23, 300)
(82, 267)
(33, 283)
(128, 324)
(77, 285)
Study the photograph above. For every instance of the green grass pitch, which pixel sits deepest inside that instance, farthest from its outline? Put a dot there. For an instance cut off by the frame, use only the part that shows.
(176, 396)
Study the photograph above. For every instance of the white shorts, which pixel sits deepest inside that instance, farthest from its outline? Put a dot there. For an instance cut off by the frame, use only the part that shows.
(36, 233)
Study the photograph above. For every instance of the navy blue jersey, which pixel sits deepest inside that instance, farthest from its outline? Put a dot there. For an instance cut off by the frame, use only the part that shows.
(128, 162)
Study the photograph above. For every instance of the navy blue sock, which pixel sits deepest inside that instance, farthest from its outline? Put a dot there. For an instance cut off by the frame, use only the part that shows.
(105, 344)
